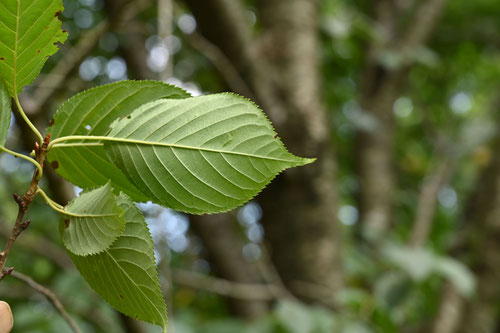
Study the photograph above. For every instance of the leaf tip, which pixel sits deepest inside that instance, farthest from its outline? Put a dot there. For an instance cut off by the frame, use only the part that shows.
(309, 160)
(301, 161)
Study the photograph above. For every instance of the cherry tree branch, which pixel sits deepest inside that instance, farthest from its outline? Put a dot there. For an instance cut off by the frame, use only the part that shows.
(23, 202)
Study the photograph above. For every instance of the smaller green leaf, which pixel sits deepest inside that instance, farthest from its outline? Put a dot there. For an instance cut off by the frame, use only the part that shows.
(125, 274)
(5, 113)
(94, 221)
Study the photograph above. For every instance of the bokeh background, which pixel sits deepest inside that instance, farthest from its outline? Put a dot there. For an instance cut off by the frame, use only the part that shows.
(396, 226)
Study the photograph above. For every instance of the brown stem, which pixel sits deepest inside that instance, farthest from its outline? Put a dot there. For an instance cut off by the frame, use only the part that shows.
(23, 204)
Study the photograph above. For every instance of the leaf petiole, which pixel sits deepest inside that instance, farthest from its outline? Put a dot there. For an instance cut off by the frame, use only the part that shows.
(60, 209)
(26, 119)
(38, 166)
(54, 205)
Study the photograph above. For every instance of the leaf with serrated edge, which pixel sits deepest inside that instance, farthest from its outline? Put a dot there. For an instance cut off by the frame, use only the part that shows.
(29, 33)
(5, 113)
(125, 274)
(94, 221)
(199, 155)
(90, 113)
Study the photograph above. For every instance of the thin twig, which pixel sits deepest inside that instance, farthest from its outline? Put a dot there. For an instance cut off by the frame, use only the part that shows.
(245, 291)
(427, 200)
(424, 21)
(72, 57)
(223, 65)
(49, 294)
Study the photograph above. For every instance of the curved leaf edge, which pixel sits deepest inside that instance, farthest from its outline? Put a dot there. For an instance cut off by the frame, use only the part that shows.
(181, 92)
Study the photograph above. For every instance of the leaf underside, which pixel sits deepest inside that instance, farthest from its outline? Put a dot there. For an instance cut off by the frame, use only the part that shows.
(5, 113)
(98, 225)
(199, 155)
(29, 33)
(125, 274)
(91, 113)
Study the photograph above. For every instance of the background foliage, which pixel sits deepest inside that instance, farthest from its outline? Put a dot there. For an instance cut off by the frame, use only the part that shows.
(442, 110)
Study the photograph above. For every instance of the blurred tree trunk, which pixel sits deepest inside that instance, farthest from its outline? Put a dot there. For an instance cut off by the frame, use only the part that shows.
(479, 245)
(382, 84)
(283, 73)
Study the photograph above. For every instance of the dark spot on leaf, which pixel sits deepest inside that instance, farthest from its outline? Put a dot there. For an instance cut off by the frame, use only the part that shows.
(58, 13)
(2, 58)
(38, 51)
(65, 31)
(54, 164)
(66, 222)
(51, 122)
(128, 117)
(121, 296)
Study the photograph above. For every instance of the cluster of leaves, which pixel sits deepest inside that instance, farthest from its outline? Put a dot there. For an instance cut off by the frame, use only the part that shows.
(134, 141)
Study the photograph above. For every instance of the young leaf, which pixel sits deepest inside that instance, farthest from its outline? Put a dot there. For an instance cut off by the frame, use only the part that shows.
(199, 155)
(91, 113)
(93, 223)
(29, 33)
(125, 274)
(5, 113)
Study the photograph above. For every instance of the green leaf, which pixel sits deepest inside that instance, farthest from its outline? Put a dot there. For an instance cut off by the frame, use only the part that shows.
(5, 113)
(93, 222)
(125, 274)
(29, 33)
(199, 155)
(91, 113)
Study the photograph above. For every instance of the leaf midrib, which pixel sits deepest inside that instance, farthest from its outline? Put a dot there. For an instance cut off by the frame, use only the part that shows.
(16, 43)
(163, 144)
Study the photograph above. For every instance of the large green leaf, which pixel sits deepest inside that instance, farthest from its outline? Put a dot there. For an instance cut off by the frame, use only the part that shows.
(125, 274)
(29, 33)
(93, 222)
(91, 113)
(199, 155)
(5, 113)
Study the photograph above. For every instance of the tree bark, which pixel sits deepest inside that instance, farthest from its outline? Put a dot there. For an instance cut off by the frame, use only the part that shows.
(300, 212)
(300, 206)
